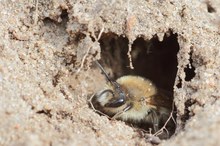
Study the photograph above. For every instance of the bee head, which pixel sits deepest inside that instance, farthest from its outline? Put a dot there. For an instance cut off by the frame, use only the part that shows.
(113, 99)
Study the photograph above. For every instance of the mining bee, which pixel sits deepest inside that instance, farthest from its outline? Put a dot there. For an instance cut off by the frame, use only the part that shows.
(135, 100)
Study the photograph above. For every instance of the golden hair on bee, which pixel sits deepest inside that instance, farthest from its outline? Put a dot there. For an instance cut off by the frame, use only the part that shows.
(134, 99)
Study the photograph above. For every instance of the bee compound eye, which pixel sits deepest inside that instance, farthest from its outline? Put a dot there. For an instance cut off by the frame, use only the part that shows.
(115, 102)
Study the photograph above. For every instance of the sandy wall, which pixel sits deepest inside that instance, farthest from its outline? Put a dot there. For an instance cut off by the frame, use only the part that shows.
(46, 72)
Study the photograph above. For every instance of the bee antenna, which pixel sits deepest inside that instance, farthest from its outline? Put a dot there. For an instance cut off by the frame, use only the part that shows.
(114, 83)
(103, 71)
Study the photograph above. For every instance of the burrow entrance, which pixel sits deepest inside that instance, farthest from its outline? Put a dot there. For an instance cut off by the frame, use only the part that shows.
(151, 59)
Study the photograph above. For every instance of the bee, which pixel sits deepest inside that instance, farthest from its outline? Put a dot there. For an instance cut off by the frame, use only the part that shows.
(135, 100)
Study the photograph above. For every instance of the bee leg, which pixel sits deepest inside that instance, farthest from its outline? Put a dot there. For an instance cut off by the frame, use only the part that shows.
(98, 98)
(121, 112)
(154, 120)
(155, 127)
(103, 92)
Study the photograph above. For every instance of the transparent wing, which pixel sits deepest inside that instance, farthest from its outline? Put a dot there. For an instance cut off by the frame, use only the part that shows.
(163, 98)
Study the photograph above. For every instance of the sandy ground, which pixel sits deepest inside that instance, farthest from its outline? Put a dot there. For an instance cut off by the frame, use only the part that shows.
(46, 72)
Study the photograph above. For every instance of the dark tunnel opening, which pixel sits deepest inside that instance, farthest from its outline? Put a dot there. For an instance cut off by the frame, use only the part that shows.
(151, 59)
